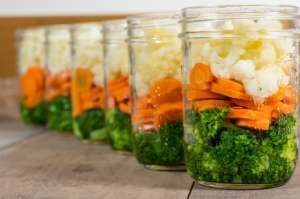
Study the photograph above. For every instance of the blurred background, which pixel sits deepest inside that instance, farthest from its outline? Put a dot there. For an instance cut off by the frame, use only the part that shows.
(15, 14)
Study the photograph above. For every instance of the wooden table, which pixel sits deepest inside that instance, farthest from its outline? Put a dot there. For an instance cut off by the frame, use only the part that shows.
(38, 164)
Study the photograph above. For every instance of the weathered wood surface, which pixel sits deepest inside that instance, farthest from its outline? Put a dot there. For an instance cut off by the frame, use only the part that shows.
(12, 131)
(59, 166)
(38, 165)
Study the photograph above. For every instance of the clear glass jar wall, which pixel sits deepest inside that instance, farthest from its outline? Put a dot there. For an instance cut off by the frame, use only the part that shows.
(155, 53)
(31, 45)
(118, 100)
(240, 93)
(88, 82)
(58, 78)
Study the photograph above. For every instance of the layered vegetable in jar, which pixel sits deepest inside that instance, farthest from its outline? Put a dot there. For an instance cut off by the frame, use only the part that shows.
(88, 83)
(31, 65)
(58, 78)
(241, 81)
(118, 100)
(157, 90)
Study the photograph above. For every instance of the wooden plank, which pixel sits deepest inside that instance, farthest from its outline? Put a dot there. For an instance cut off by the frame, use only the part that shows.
(13, 131)
(289, 191)
(58, 166)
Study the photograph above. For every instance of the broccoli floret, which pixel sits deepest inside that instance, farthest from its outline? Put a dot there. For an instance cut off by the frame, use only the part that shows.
(226, 153)
(89, 121)
(164, 147)
(118, 125)
(201, 162)
(59, 115)
(279, 132)
(208, 123)
(36, 115)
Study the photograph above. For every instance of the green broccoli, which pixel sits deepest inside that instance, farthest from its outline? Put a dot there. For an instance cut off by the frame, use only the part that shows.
(90, 123)
(223, 152)
(59, 115)
(118, 125)
(36, 115)
(164, 147)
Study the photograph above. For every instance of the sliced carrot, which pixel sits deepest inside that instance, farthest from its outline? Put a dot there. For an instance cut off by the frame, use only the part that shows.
(201, 94)
(168, 113)
(260, 124)
(76, 106)
(210, 104)
(121, 94)
(115, 84)
(83, 78)
(125, 107)
(204, 86)
(284, 108)
(227, 91)
(290, 96)
(230, 84)
(242, 113)
(166, 90)
(143, 102)
(200, 74)
(143, 115)
(277, 97)
(33, 86)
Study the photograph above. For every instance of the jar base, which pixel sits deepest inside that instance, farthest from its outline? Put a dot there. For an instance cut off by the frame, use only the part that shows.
(165, 168)
(234, 186)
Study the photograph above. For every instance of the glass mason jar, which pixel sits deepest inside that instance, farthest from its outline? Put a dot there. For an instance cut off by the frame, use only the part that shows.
(58, 78)
(240, 92)
(88, 82)
(116, 61)
(31, 67)
(155, 56)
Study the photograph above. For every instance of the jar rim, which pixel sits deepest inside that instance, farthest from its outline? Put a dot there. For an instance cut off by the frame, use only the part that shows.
(229, 12)
(86, 26)
(154, 19)
(114, 25)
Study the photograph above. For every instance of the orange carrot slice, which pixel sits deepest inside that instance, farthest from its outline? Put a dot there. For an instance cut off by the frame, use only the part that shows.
(242, 113)
(166, 90)
(230, 84)
(168, 113)
(200, 74)
(227, 91)
(261, 124)
(121, 94)
(210, 104)
(143, 115)
(83, 78)
(201, 94)
(204, 86)
(144, 103)
(118, 83)
(125, 107)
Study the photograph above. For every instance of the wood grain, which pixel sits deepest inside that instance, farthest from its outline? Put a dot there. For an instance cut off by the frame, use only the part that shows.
(13, 131)
(8, 26)
(289, 191)
(59, 166)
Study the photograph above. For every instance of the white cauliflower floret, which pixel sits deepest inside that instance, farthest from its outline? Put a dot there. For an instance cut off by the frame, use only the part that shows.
(267, 54)
(262, 64)
(157, 59)
(243, 69)
(265, 83)
(117, 60)
(59, 50)
(32, 49)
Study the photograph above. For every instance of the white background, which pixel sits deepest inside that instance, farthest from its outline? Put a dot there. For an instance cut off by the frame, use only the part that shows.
(102, 7)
